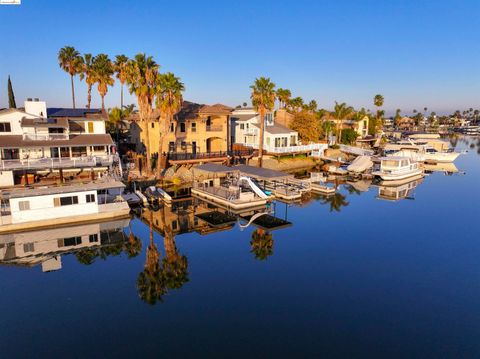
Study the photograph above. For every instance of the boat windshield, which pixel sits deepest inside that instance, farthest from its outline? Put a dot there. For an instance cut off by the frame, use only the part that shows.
(390, 163)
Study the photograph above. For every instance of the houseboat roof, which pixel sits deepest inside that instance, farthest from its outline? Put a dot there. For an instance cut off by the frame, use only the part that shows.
(214, 168)
(261, 173)
(44, 191)
(16, 141)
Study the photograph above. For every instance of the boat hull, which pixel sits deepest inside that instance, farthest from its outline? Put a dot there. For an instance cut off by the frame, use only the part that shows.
(397, 176)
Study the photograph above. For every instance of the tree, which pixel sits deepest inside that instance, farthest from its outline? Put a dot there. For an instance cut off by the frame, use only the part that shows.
(141, 79)
(70, 61)
(263, 100)
(398, 116)
(116, 118)
(283, 96)
(295, 104)
(335, 201)
(341, 112)
(120, 66)
(11, 95)
(349, 136)
(103, 75)
(312, 106)
(88, 73)
(307, 125)
(169, 100)
(378, 102)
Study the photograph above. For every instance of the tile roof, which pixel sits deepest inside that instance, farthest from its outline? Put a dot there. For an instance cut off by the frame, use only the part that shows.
(276, 129)
(242, 118)
(17, 141)
(215, 109)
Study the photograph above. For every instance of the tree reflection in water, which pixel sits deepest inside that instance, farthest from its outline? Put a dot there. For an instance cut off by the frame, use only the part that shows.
(261, 244)
(335, 201)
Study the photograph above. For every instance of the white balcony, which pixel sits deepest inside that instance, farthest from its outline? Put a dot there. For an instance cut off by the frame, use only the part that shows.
(53, 163)
(250, 132)
(45, 137)
(316, 147)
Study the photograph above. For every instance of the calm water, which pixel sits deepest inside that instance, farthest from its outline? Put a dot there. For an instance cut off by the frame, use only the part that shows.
(356, 277)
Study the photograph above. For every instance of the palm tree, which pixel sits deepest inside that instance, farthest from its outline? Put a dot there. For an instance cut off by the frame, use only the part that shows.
(312, 106)
(283, 96)
(116, 118)
(88, 72)
(341, 112)
(141, 79)
(175, 265)
(70, 61)
(261, 244)
(398, 116)
(296, 103)
(263, 99)
(103, 75)
(378, 102)
(120, 66)
(169, 100)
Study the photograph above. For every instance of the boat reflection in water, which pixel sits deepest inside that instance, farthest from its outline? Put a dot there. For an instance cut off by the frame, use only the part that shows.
(45, 247)
(447, 168)
(398, 191)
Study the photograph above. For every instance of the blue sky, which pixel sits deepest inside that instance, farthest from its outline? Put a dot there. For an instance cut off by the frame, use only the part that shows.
(416, 53)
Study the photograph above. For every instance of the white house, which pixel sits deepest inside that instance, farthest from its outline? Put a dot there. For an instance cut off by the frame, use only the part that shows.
(39, 138)
(278, 139)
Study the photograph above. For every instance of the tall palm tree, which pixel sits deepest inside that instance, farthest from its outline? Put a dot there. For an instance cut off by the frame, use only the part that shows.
(141, 79)
(312, 106)
(341, 112)
(120, 66)
(378, 102)
(296, 103)
(283, 96)
(336, 201)
(70, 61)
(263, 99)
(88, 72)
(103, 75)
(169, 100)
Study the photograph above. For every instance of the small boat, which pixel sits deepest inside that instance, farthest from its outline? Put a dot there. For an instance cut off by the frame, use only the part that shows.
(397, 168)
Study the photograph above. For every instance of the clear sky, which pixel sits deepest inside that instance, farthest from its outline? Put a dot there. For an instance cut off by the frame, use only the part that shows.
(415, 53)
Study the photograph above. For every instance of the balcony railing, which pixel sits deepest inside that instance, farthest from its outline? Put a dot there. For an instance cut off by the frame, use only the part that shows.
(215, 128)
(290, 149)
(46, 137)
(251, 131)
(52, 163)
(184, 156)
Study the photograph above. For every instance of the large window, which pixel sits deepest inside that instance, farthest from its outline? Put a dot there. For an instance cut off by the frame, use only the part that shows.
(182, 127)
(5, 127)
(28, 247)
(70, 241)
(65, 201)
(79, 151)
(90, 198)
(194, 127)
(242, 126)
(172, 127)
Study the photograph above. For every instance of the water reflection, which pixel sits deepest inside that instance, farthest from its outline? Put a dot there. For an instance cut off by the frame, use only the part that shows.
(46, 247)
(261, 244)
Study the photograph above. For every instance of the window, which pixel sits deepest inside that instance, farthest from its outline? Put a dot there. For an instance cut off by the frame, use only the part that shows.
(65, 201)
(90, 127)
(90, 198)
(70, 241)
(28, 247)
(242, 126)
(184, 145)
(194, 127)
(152, 124)
(79, 151)
(24, 205)
(174, 225)
(172, 128)
(93, 238)
(5, 127)
(182, 127)
(99, 148)
(171, 146)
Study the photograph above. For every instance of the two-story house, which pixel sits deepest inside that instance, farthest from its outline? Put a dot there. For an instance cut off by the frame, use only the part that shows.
(39, 140)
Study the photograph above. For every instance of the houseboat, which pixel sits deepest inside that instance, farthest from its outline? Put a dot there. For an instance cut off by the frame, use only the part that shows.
(46, 206)
(422, 151)
(397, 169)
(398, 192)
(225, 187)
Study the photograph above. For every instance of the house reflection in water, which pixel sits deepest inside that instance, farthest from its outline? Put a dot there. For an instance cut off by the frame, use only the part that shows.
(46, 247)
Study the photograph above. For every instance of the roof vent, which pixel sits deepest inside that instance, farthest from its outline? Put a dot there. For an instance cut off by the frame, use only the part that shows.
(36, 99)
(29, 99)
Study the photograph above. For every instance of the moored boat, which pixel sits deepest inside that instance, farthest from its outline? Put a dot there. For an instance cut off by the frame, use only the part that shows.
(397, 168)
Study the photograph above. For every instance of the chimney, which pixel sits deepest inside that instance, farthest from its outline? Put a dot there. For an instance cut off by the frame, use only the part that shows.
(36, 108)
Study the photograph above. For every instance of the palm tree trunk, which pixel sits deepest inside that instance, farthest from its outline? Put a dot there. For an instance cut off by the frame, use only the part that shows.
(121, 96)
(103, 103)
(89, 97)
(160, 163)
(260, 140)
(147, 145)
(73, 91)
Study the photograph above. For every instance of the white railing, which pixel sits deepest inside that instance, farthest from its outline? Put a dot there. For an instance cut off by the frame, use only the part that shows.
(43, 163)
(250, 132)
(291, 149)
(46, 137)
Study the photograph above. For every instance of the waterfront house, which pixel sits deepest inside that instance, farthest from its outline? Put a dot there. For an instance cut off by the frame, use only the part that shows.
(42, 142)
(196, 131)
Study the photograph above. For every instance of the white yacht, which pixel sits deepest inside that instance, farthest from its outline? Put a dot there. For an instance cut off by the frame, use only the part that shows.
(421, 152)
(397, 169)
(50, 206)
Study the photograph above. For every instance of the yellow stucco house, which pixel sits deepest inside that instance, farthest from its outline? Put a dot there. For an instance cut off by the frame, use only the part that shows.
(195, 129)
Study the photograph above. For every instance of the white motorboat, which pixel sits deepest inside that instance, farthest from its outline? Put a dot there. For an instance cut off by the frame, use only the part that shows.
(397, 168)
(420, 152)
